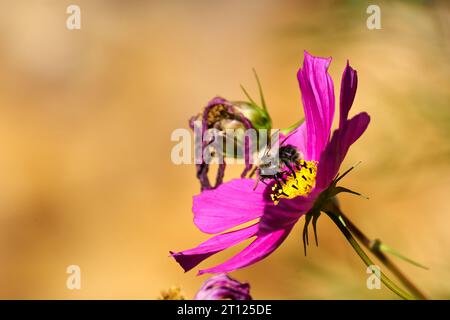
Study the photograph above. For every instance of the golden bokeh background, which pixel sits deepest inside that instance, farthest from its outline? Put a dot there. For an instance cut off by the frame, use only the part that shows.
(86, 116)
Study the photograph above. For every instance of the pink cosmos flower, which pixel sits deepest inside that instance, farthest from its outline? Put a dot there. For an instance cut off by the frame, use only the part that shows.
(275, 210)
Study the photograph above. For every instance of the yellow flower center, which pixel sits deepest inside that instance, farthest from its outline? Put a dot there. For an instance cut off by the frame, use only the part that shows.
(296, 185)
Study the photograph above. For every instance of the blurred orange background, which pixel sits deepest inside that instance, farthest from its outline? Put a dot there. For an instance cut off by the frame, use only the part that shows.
(86, 116)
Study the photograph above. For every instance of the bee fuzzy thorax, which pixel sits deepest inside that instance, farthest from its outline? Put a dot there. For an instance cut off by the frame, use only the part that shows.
(297, 183)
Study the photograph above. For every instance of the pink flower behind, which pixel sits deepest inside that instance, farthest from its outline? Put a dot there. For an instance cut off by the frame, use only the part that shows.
(223, 287)
(275, 210)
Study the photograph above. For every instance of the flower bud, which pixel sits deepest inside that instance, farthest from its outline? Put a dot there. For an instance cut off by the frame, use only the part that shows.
(222, 114)
(223, 287)
(258, 117)
(231, 120)
(240, 129)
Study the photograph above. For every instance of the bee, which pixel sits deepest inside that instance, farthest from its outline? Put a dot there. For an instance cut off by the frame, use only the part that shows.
(271, 168)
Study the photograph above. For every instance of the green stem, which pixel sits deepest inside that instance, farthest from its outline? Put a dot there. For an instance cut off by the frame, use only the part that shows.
(337, 219)
(374, 247)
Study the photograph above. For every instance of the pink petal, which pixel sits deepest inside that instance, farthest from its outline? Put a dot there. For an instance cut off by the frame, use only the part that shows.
(297, 138)
(335, 152)
(188, 259)
(317, 90)
(260, 248)
(349, 85)
(231, 204)
(285, 214)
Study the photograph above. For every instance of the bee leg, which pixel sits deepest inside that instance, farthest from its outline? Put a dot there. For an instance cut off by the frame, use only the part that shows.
(275, 177)
(256, 183)
(291, 169)
(280, 176)
(252, 172)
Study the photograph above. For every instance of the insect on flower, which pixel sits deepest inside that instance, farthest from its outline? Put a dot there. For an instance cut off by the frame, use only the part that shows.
(271, 166)
(309, 178)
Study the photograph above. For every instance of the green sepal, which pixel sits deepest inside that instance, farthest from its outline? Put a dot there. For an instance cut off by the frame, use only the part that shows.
(384, 248)
(305, 231)
(291, 128)
(336, 190)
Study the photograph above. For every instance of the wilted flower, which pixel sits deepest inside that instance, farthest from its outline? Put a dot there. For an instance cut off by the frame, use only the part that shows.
(303, 192)
(223, 287)
(226, 116)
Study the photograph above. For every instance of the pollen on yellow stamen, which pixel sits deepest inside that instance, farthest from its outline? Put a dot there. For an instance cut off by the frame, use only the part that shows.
(299, 185)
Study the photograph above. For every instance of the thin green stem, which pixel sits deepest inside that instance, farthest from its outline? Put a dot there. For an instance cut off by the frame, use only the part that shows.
(374, 247)
(337, 219)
